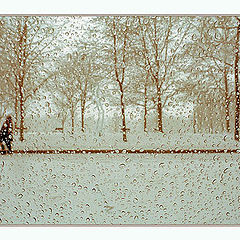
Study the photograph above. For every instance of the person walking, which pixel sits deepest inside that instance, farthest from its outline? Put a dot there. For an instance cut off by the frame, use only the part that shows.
(6, 134)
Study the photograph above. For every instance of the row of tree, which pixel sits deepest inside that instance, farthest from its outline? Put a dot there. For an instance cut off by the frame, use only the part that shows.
(146, 62)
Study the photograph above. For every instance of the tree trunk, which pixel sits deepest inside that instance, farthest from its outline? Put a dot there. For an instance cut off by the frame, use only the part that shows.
(209, 116)
(124, 128)
(159, 110)
(145, 109)
(194, 120)
(21, 111)
(83, 103)
(82, 115)
(72, 123)
(211, 128)
(63, 123)
(16, 109)
(21, 75)
(72, 118)
(237, 96)
(227, 112)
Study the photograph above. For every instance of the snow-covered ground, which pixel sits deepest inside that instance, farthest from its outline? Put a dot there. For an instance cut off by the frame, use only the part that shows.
(120, 189)
(151, 140)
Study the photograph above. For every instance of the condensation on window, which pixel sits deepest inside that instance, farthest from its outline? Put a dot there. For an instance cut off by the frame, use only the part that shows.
(119, 120)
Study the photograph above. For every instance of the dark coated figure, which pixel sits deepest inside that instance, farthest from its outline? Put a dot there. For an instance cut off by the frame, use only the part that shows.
(6, 135)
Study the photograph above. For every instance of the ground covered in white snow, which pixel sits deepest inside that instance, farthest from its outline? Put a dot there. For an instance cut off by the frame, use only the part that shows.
(120, 189)
(151, 140)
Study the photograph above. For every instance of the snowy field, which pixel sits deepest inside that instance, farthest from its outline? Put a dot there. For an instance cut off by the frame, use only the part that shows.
(151, 140)
(120, 189)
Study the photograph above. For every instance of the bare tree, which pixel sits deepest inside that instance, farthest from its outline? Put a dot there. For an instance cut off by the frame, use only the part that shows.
(118, 32)
(72, 86)
(237, 93)
(215, 33)
(27, 44)
(6, 88)
(161, 42)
